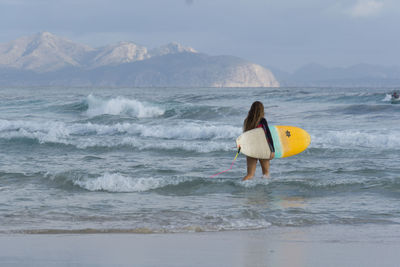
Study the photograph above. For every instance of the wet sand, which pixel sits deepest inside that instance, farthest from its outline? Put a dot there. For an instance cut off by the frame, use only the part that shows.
(364, 245)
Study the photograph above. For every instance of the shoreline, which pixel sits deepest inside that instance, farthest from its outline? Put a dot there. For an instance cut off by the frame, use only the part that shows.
(327, 245)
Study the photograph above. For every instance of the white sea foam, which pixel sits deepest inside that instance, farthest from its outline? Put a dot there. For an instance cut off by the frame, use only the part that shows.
(187, 136)
(256, 181)
(221, 223)
(120, 105)
(58, 131)
(245, 224)
(115, 182)
(42, 131)
(139, 144)
(387, 98)
(197, 146)
(188, 131)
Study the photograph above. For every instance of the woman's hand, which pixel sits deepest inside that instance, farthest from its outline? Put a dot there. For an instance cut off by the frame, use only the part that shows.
(272, 155)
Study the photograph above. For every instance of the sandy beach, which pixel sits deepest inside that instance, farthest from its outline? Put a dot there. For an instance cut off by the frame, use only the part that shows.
(313, 246)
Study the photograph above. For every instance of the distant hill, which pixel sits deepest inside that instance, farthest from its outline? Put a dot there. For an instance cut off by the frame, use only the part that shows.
(357, 75)
(48, 60)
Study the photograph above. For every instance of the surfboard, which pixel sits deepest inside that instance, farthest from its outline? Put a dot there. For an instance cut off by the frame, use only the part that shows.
(288, 141)
(395, 100)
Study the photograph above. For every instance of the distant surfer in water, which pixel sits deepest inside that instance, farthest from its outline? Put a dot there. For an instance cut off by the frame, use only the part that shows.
(395, 95)
(255, 119)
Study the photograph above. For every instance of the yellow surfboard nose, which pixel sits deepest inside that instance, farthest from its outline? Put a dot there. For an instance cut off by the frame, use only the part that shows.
(293, 140)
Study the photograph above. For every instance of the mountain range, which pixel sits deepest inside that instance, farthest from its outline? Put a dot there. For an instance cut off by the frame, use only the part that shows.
(364, 75)
(45, 59)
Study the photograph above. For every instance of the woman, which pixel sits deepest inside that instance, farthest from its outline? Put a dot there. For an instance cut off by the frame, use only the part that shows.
(255, 119)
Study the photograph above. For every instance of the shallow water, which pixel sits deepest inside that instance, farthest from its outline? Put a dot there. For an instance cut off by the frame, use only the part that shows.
(140, 160)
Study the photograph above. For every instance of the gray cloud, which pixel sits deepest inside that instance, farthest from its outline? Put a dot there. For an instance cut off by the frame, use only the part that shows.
(189, 2)
(285, 33)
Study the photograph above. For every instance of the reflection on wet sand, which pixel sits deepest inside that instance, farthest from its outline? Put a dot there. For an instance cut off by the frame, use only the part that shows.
(263, 249)
(266, 250)
(292, 202)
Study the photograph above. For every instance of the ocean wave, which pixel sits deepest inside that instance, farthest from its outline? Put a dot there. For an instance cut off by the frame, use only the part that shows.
(121, 105)
(362, 109)
(201, 112)
(44, 132)
(339, 97)
(201, 186)
(355, 139)
(196, 146)
(115, 182)
(119, 183)
(192, 135)
(60, 132)
(356, 97)
(72, 107)
(134, 143)
(188, 131)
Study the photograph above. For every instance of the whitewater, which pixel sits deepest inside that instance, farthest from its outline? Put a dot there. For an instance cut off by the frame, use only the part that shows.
(139, 160)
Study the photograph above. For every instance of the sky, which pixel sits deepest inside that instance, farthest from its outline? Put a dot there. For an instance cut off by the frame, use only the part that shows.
(283, 34)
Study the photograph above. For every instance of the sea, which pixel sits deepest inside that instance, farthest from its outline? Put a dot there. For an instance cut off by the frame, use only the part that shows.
(141, 160)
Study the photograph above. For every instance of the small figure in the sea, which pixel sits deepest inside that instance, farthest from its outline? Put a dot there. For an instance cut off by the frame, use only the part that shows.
(395, 95)
(255, 119)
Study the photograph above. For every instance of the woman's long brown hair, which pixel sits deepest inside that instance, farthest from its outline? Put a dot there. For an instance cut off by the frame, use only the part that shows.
(256, 113)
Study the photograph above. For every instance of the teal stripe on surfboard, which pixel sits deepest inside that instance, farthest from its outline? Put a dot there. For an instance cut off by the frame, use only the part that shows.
(277, 142)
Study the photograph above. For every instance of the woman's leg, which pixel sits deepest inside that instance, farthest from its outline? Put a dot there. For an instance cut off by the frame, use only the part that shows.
(265, 167)
(251, 168)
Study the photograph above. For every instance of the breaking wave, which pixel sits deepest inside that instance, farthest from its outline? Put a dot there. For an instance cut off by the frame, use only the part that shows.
(121, 105)
(189, 185)
(114, 182)
(119, 183)
(53, 131)
(187, 136)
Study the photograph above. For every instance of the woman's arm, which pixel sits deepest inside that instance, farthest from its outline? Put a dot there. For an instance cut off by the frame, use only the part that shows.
(268, 134)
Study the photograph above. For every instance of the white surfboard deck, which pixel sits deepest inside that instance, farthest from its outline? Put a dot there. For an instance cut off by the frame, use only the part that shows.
(253, 143)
